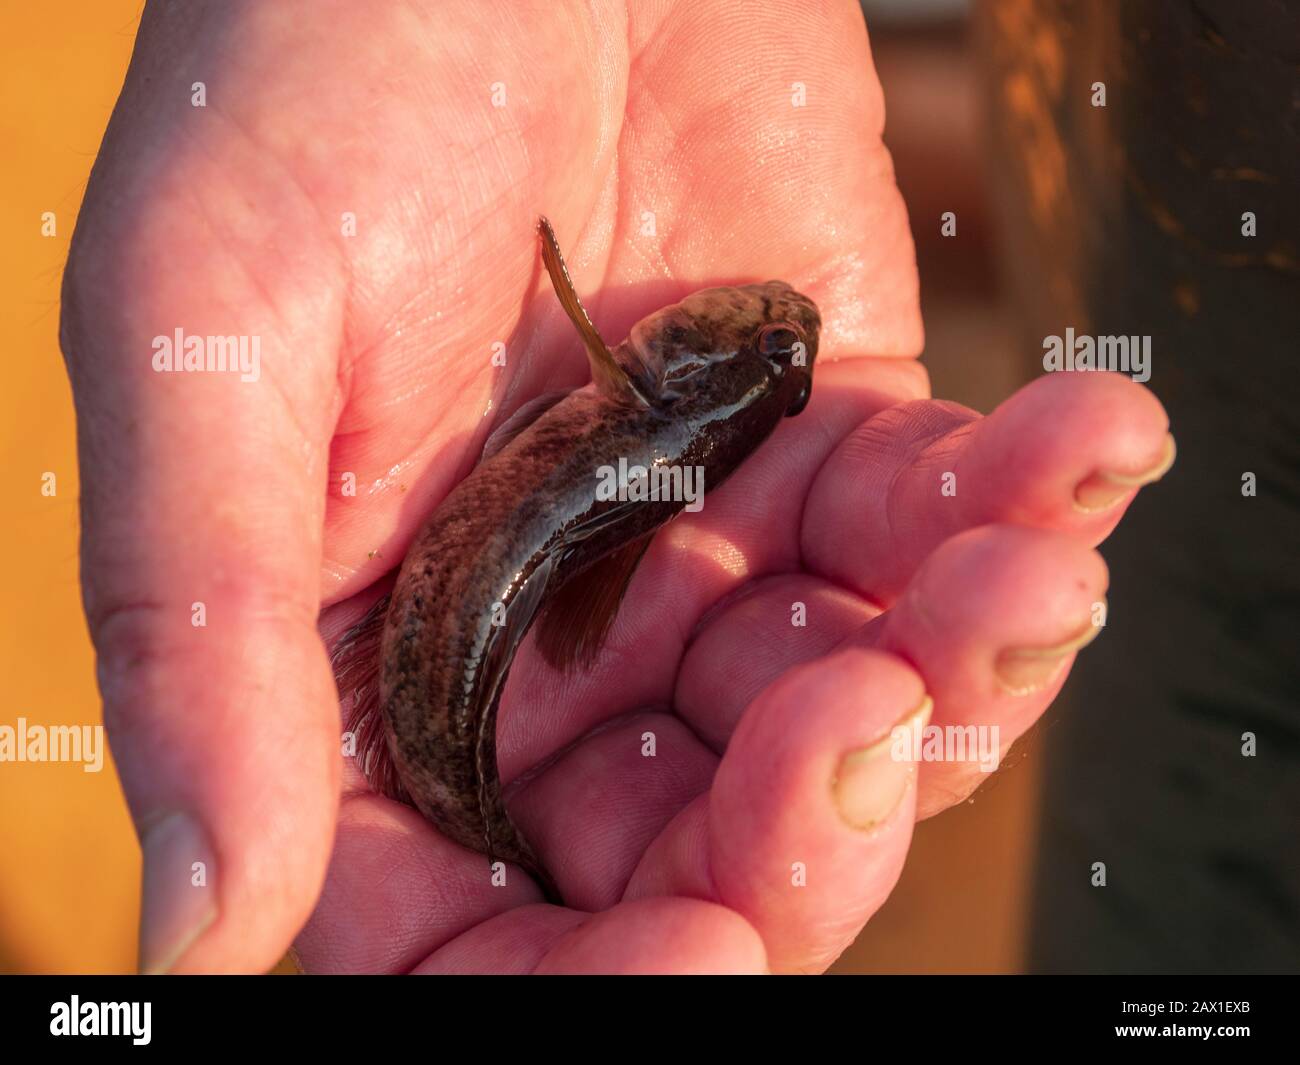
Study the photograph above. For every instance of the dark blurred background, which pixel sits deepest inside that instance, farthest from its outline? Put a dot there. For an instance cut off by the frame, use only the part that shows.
(1123, 219)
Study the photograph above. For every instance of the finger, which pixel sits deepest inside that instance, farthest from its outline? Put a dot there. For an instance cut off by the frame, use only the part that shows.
(591, 813)
(992, 621)
(397, 891)
(201, 539)
(807, 825)
(988, 602)
(510, 944)
(1067, 452)
(659, 936)
(746, 644)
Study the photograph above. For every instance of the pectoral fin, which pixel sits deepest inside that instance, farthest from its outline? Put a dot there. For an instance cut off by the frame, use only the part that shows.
(578, 617)
(612, 380)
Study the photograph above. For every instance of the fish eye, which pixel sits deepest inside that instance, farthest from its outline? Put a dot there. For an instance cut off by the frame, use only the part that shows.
(777, 341)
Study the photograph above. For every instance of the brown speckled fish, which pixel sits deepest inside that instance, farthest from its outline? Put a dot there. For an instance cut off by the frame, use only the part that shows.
(530, 534)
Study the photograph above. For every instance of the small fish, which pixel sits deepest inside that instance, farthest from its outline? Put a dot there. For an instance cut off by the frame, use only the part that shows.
(535, 534)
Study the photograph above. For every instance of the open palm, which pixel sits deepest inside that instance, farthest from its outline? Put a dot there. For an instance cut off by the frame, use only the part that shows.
(359, 193)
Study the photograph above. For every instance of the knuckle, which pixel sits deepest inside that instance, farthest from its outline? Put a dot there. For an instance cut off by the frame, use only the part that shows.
(133, 646)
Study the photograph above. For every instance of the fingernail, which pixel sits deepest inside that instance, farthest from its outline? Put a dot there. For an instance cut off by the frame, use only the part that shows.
(179, 890)
(1022, 670)
(871, 782)
(1105, 488)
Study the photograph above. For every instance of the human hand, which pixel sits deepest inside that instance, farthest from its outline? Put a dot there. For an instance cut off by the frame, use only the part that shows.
(376, 360)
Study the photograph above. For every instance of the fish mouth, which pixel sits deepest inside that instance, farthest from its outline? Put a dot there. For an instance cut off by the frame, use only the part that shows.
(801, 398)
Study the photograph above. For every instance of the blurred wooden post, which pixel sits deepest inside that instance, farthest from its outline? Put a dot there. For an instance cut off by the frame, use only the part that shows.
(1128, 219)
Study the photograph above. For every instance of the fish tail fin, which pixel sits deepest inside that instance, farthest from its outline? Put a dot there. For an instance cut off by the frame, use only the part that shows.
(355, 660)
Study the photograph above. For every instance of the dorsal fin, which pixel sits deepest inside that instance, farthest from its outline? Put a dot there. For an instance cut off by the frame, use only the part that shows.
(578, 617)
(611, 379)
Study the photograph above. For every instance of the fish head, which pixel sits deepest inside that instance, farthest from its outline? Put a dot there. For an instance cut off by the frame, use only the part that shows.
(769, 325)
(788, 337)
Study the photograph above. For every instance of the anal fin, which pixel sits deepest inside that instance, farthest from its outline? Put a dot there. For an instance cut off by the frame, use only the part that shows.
(355, 660)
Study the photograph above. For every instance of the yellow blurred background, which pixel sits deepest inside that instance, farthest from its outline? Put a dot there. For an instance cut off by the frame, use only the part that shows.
(69, 862)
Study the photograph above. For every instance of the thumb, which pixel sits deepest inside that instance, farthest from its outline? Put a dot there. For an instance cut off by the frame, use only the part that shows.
(202, 507)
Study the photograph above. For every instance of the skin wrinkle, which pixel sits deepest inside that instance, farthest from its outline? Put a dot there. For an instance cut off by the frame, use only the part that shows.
(917, 446)
(636, 60)
(719, 611)
(479, 221)
(469, 223)
(113, 666)
(342, 261)
(711, 893)
(937, 452)
(131, 650)
(522, 780)
(270, 303)
(800, 557)
(648, 715)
